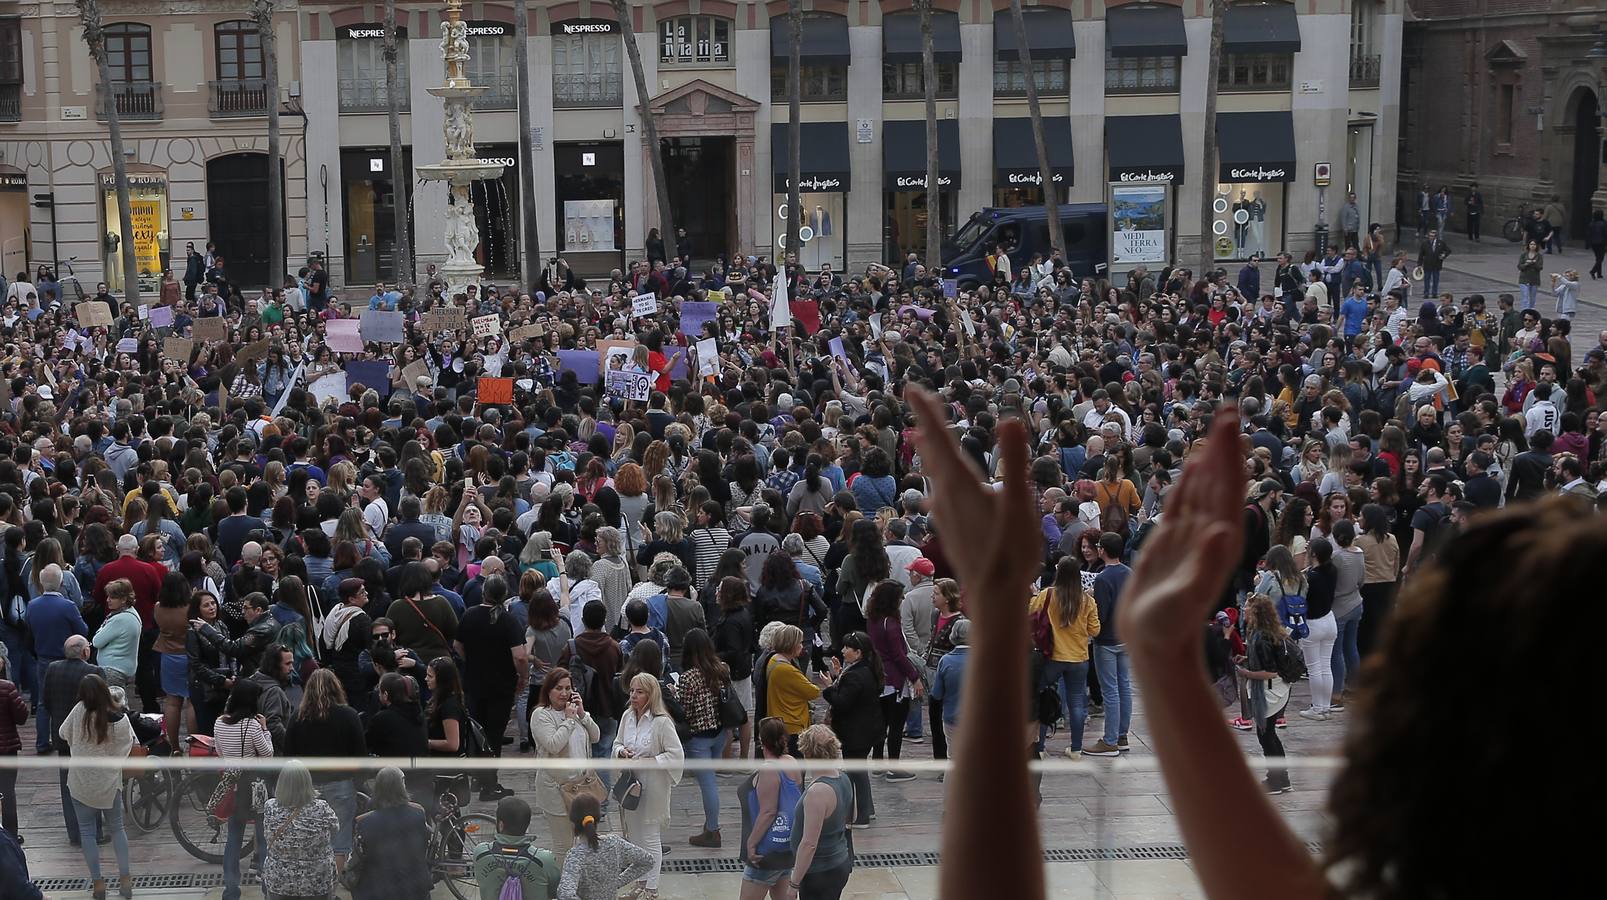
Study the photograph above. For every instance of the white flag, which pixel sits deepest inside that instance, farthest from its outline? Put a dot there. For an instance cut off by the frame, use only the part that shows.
(780, 310)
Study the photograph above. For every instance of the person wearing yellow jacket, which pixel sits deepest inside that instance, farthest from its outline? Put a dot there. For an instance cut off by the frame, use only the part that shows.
(1073, 620)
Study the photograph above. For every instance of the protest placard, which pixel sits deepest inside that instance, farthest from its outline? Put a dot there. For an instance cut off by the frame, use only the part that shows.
(494, 390)
(374, 374)
(253, 351)
(837, 350)
(178, 349)
(526, 332)
(486, 326)
(161, 316)
(708, 357)
(584, 363)
(128, 345)
(381, 326)
(415, 370)
(344, 335)
(209, 329)
(615, 354)
(331, 387)
(807, 312)
(694, 313)
(444, 318)
(93, 314)
(644, 305)
(629, 385)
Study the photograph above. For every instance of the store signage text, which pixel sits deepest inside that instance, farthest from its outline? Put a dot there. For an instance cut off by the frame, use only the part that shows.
(1033, 178)
(13, 182)
(585, 28)
(506, 162)
(1147, 176)
(487, 29)
(818, 183)
(368, 32)
(108, 181)
(1256, 174)
(919, 181)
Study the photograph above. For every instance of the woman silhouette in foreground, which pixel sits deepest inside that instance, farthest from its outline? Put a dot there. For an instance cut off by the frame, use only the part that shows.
(1424, 804)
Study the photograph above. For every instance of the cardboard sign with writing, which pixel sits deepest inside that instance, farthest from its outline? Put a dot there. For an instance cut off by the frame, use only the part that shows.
(128, 345)
(254, 351)
(644, 305)
(415, 370)
(209, 329)
(178, 349)
(344, 335)
(93, 314)
(444, 318)
(526, 332)
(161, 316)
(494, 390)
(486, 326)
(381, 326)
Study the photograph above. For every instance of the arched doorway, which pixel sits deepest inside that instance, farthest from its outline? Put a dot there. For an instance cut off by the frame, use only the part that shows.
(1587, 161)
(237, 213)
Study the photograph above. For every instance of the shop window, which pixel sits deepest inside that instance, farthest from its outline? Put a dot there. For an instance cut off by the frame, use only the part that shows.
(147, 201)
(903, 81)
(1010, 77)
(815, 83)
(694, 41)
(1255, 72)
(10, 70)
(1247, 218)
(360, 68)
(586, 70)
(824, 215)
(1140, 74)
(491, 66)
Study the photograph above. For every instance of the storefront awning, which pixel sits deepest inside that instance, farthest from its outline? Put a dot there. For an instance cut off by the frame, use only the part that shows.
(1015, 154)
(1049, 33)
(1256, 146)
(822, 154)
(901, 37)
(1146, 30)
(1145, 149)
(904, 154)
(825, 39)
(1262, 28)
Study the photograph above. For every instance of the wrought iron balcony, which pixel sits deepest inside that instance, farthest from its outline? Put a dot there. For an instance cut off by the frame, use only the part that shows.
(1364, 70)
(503, 93)
(237, 97)
(600, 89)
(10, 103)
(370, 95)
(134, 99)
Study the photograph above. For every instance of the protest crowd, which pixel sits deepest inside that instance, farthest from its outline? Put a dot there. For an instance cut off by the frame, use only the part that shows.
(676, 515)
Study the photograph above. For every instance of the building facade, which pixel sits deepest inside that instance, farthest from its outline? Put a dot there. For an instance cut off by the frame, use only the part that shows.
(1306, 89)
(1505, 94)
(187, 78)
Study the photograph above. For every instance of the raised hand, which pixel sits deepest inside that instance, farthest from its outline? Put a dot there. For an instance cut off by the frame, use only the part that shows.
(1188, 558)
(991, 537)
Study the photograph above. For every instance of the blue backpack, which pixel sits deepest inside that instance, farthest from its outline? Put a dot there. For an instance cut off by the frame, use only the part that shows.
(1292, 610)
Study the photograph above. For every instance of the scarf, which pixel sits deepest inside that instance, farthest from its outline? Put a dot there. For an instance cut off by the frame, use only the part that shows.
(337, 626)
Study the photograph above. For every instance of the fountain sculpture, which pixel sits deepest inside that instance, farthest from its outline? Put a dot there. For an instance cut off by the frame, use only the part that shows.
(462, 167)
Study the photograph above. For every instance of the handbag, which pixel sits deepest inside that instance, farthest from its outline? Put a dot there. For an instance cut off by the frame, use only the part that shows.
(628, 790)
(1227, 689)
(352, 875)
(586, 784)
(732, 713)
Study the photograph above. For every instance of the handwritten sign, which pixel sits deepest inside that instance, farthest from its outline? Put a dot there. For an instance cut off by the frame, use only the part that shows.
(494, 390)
(344, 335)
(486, 326)
(445, 318)
(629, 385)
(93, 314)
(161, 316)
(330, 388)
(526, 332)
(178, 349)
(254, 350)
(415, 370)
(381, 326)
(128, 345)
(210, 329)
(644, 305)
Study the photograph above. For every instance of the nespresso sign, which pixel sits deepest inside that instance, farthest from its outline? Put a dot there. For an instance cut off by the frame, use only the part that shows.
(490, 29)
(585, 26)
(369, 32)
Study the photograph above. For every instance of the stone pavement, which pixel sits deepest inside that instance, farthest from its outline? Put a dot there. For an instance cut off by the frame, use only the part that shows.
(1094, 812)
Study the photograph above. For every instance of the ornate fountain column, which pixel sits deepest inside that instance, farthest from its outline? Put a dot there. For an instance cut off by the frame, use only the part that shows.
(462, 167)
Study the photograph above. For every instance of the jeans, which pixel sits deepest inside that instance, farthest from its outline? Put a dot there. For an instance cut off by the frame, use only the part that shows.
(1431, 281)
(912, 721)
(69, 811)
(1346, 657)
(236, 837)
(114, 824)
(42, 715)
(1117, 685)
(1070, 681)
(20, 665)
(1318, 649)
(863, 802)
(604, 748)
(825, 884)
(342, 798)
(1266, 731)
(895, 712)
(708, 747)
(1527, 293)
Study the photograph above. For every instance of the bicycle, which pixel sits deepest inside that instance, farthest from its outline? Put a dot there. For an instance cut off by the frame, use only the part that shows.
(69, 282)
(200, 823)
(147, 793)
(453, 834)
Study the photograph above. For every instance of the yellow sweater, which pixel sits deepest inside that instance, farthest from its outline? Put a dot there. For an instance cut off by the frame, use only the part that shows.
(787, 694)
(1071, 641)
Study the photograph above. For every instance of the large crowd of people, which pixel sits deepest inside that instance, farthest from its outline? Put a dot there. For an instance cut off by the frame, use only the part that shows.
(459, 538)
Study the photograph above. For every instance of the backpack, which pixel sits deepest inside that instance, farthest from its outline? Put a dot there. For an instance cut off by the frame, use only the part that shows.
(1043, 629)
(584, 679)
(1292, 610)
(1287, 660)
(474, 743)
(513, 887)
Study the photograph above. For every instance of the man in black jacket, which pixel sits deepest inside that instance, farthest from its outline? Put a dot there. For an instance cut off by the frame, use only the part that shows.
(1480, 488)
(410, 526)
(1527, 480)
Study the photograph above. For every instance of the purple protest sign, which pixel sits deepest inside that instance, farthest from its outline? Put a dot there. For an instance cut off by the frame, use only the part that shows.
(370, 373)
(584, 363)
(694, 313)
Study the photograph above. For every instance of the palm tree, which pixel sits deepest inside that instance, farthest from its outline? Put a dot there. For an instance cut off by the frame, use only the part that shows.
(262, 12)
(95, 38)
(1051, 197)
(794, 127)
(1219, 14)
(527, 169)
(399, 185)
(934, 202)
(661, 183)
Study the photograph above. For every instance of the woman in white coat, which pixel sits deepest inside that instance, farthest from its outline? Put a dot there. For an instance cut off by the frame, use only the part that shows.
(647, 732)
(560, 728)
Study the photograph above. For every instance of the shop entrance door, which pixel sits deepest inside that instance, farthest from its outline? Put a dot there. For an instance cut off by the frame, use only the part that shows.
(701, 172)
(237, 207)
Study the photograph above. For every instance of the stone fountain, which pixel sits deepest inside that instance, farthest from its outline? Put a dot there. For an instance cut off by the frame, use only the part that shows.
(462, 167)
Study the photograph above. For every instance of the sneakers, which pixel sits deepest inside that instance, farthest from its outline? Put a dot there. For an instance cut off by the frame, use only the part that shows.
(1121, 744)
(705, 839)
(1240, 723)
(1096, 711)
(897, 775)
(493, 794)
(1282, 722)
(1314, 714)
(1276, 788)
(1073, 753)
(1100, 748)
(1338, 705)
(915, 738)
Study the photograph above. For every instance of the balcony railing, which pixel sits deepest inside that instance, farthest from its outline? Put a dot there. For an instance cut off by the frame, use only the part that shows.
(503, 93)
(370, 95)
(600, 89)
(134, 99)
(238, 97)
(10, 103)
(1364, 70)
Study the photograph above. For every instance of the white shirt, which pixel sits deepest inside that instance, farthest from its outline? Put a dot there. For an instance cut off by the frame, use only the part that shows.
(377, 514)
(1543, 414)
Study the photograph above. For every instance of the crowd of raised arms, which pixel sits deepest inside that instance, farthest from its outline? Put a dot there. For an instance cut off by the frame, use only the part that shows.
(821, 519)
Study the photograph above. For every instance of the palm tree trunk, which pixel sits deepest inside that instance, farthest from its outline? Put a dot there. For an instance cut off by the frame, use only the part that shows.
(794, 128)
(89, 15)
(1209, 173)
(934, 194)
(399, 173)
(527, 166)
(1051, 194)
(655, 154)
(262, 11)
